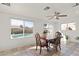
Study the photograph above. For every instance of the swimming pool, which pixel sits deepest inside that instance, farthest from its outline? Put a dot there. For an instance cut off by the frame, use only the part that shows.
(21, 35)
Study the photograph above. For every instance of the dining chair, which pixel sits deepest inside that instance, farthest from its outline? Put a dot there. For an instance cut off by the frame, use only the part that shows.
(40, 42)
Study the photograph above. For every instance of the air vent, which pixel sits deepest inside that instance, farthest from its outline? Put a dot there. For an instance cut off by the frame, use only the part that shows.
(47, 8)
(7, 4)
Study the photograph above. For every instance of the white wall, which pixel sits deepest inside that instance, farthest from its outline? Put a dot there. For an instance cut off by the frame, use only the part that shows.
(6, 42)
(72, 34)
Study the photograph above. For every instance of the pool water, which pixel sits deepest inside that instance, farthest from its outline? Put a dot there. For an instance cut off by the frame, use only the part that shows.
(21, 35)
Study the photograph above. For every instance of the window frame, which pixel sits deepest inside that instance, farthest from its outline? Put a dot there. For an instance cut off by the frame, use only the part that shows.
(28, 20)
(67, 26)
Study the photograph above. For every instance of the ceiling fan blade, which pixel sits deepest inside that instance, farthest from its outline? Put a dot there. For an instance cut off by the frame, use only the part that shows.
(57, 18)
(57, 13)
(48, 16)
(51, 17)
(62, 15)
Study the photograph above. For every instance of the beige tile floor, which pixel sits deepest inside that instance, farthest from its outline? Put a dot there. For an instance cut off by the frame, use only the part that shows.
(68, 49)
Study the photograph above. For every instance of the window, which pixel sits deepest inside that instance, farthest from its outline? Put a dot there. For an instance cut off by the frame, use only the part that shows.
(49, 28)
(63, 26)
(68, 26)
(71, 26)
(20, 28)
(28, 29)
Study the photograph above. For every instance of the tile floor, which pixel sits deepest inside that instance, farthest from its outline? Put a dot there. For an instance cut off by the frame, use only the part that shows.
(67, 49)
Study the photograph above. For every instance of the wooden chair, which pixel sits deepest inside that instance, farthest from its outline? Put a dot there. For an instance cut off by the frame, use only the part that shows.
(56, 42)
(40, 43)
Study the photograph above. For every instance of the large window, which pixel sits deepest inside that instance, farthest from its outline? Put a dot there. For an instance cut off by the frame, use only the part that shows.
(68, 26)
(71, 26)
(28, 29)
(63, 26)
(20, 28)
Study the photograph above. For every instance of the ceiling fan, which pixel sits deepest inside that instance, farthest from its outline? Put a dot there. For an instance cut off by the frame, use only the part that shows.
(76, 4)
(56, 15)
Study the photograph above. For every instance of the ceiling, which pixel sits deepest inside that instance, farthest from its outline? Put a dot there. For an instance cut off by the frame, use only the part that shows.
(36, 9)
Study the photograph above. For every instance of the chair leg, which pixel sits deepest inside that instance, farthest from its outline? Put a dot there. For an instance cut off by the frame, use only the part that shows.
(56, 48)
(60, 46)
(36, 47)
(40, 49)
(49, 45)
(47, 49)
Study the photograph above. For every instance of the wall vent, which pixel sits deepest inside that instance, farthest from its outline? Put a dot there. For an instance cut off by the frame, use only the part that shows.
(7, 4)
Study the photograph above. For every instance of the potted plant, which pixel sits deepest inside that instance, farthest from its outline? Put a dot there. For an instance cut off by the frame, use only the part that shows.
(67, 37)
(45, 31)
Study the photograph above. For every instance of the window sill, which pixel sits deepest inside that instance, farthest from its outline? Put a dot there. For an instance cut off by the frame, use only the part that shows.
(21, 37)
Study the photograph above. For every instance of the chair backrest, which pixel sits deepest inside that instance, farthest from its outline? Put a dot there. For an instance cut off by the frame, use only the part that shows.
(58, 38)
(37, 36)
